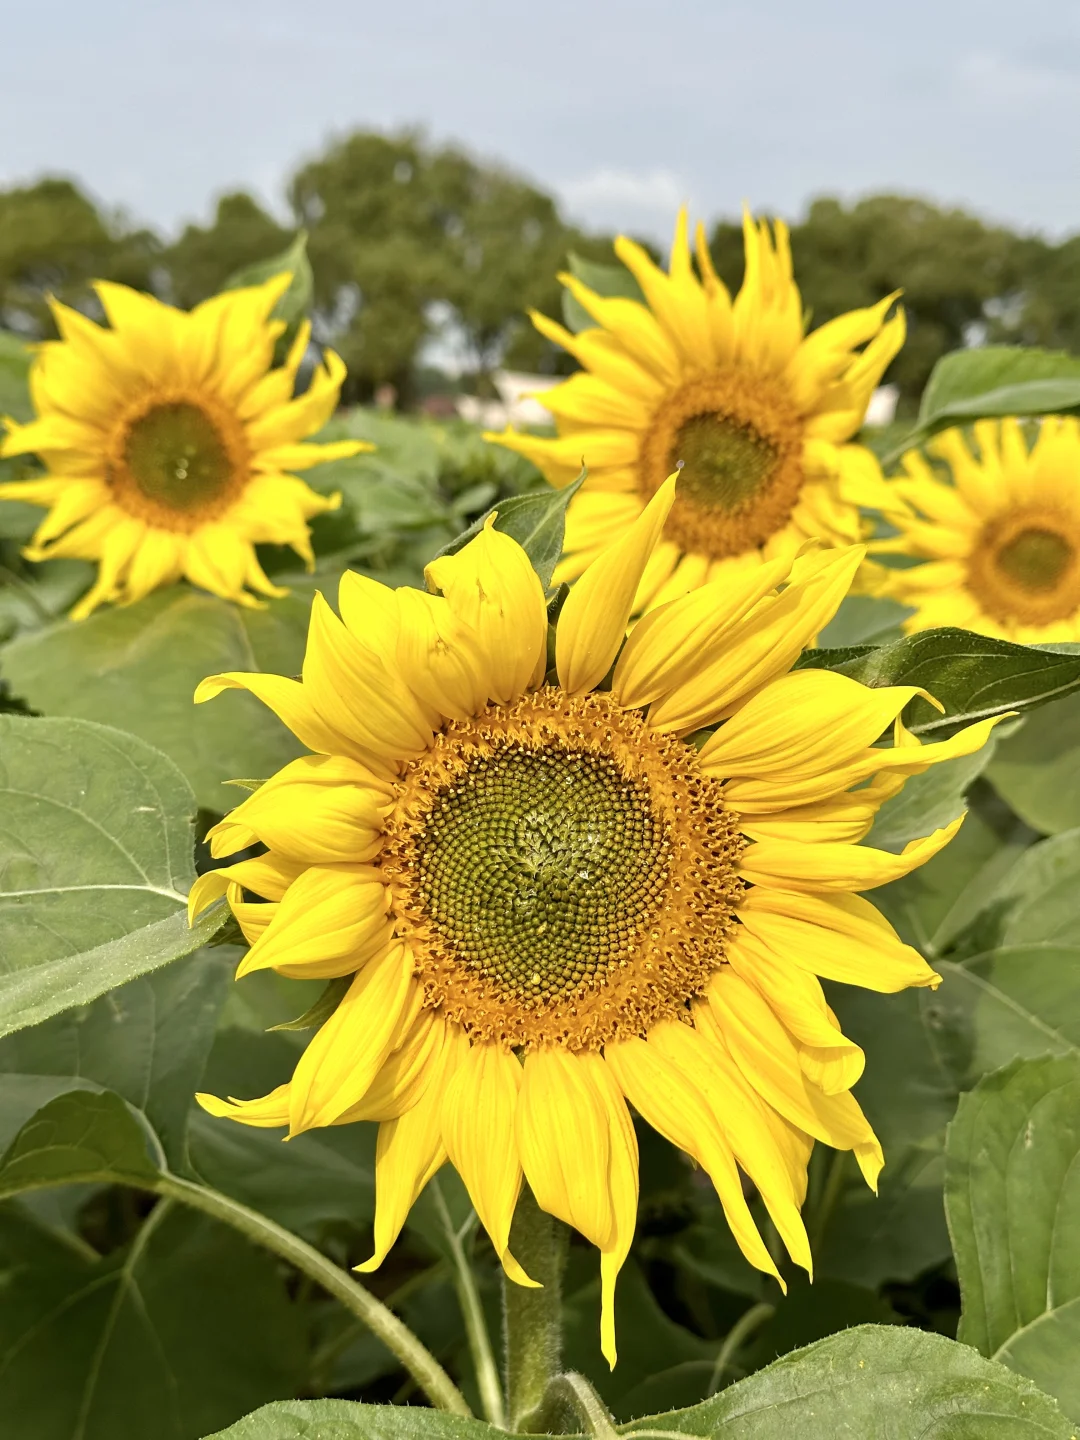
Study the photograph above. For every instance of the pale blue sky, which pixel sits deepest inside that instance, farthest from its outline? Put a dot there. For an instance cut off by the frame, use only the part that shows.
(622, 109)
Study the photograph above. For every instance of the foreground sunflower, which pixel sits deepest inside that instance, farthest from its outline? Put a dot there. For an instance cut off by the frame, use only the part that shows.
(1002, 541)
(168, 439)
(551, 903)
(759, 411)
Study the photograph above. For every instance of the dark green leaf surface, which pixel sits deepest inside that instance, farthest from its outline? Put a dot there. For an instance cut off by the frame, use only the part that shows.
(1013, 1196)
(176, 1334)
(864, 620)
(148, 1041)
(96, 859)
(875, 1383)
(973, 676)
(140, 665)
(340, 1420)
(995, 380)
(1037, 770)
(535, 521)
(78, 1137)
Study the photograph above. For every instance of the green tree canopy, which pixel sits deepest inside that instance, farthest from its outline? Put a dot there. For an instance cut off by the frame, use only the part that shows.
(53, 241)
(204, 258)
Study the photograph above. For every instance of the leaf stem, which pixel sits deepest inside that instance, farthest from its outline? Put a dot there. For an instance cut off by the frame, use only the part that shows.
(398, 1338)
(483, 1356)
(576, 1391)
(749, 1321)
(834, 1185)
(532, 1319)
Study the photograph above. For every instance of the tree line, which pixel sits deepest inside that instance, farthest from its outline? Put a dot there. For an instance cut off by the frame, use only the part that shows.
(405, 235)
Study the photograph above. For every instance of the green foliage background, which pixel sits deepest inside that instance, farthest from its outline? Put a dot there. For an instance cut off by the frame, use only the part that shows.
(159, 1268)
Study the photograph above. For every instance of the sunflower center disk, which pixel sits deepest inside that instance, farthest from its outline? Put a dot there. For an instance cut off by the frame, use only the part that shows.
(1036, 559)
(562, 874)
(542, 867)
(177, 457)
(725, 464)
(740, 441)
(1026, 568)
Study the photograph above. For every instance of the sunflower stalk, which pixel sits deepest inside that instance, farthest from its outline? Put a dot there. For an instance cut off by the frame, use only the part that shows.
(532, 1319)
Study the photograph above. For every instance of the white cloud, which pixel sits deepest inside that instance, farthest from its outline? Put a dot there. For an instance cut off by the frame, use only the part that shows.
(627, 199)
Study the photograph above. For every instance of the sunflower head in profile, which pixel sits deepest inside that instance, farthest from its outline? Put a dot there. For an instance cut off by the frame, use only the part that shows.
(758, 411)
(1000, 544)
(169, 439)
(552, 904)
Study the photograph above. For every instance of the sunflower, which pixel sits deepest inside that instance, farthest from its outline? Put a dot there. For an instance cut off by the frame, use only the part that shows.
(758, 411)
(555, 902)
(168, 439)
(1001, 542)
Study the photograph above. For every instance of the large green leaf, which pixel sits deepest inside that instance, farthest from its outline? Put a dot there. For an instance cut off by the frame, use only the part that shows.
(874, 1381)
(1013, 1196)
(148, 1041)
(995, 380)
(139, 666)
(864, 620)
(177, 1333)
(79, 1137)
(341, 1420)
(536, 521)
(96, 859)
(973, 676)
(1037, 770)
(929, 801)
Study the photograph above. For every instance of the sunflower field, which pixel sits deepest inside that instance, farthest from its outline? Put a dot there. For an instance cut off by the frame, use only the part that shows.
(633, 861)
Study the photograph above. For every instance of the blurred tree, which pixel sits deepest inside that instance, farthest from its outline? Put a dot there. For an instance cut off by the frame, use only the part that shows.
(961, 279)
(54, 241)
(407, 238)
(201, 261)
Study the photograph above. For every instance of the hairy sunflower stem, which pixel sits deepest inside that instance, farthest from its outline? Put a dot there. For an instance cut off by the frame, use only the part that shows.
(398, 1338)
(736, 1338)
(574, 1392)
(483, 1356)
(532, 1319)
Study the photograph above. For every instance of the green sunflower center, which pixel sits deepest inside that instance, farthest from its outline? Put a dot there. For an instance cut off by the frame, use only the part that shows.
(177, 457)
(725, 463)
(1036, 559)
(540, 868)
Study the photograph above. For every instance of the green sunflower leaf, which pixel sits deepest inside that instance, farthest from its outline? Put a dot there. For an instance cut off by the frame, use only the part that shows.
(1037, 769)
(536, 521)
(973, 676)
(138, 667)
(344, 1420)
(172, 1335)
(870, 1381)
(296, 302)
(610, 281)
(148, 1041)
(991, 381)
(15, 357)
(96, 859)
(1014, 1212)
(77, 1138)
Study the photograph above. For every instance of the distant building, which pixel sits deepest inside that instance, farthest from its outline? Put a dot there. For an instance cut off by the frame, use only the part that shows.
(516, 404)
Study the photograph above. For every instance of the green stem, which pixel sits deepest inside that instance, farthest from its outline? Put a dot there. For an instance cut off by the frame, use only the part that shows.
(834, 1185)
(736, 1338)
(576, 1392)
(483, 1356)
(398, 1338)
(532, 1319)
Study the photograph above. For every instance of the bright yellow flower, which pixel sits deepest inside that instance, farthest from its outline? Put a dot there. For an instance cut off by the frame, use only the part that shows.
(759, 411)
(1002, 541)
(168, 440)
(552, 903)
